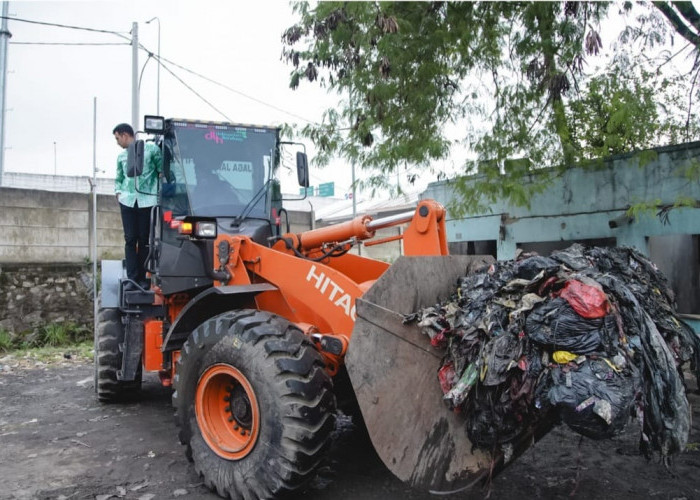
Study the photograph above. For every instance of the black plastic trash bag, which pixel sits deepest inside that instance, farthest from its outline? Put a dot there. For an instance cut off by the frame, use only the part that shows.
(491, 418)
(500, 356)
(594, 398)
(531, 267)
(556, 324)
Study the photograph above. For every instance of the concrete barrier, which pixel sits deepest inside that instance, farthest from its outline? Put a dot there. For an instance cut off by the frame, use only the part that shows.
(52, 227)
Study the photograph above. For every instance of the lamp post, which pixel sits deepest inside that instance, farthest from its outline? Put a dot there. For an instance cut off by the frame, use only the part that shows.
(158, 77)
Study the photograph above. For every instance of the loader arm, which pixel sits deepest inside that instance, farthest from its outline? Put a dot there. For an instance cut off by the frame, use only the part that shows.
(317, 281)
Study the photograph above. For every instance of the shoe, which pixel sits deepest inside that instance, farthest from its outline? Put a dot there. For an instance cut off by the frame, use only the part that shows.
(145, 284)
(130, 286)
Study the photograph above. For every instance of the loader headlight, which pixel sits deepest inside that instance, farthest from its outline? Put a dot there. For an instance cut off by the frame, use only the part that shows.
(205, 229)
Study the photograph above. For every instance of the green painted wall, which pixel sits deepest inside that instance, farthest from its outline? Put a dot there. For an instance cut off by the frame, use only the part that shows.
(580, 205)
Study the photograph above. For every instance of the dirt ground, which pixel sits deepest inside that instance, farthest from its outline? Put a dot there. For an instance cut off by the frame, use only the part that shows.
(57, 442)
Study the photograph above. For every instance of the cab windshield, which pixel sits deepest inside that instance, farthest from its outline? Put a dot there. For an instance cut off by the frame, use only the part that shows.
(218, 170)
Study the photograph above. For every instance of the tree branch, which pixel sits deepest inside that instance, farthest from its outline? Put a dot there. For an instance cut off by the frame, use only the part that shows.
(688, 11)
(678, 23)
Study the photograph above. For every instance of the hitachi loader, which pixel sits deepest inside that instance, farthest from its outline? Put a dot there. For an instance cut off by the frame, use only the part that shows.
(253, 326)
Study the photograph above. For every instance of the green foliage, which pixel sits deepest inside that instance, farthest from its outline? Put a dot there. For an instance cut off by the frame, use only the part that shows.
(502, 80)
(54, 334)
(5, 340)
(603, 119)
(644, 209)
(691, 170)
(48, 335)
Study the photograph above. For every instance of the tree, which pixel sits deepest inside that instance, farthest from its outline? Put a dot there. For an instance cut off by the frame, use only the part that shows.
(495, 80)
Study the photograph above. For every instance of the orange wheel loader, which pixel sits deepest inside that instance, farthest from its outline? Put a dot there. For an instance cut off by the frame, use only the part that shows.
(251, 325)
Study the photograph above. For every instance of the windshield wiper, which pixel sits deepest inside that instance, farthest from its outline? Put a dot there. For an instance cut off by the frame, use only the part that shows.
(247, 209)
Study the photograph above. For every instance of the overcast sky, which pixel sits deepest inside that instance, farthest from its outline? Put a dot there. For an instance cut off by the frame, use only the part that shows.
(50, 88)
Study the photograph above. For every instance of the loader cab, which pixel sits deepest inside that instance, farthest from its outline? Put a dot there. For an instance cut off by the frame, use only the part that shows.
(218, 174)
(218, 170)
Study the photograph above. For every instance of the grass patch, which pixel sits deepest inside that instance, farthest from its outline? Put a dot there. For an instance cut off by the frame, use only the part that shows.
(49, 335)
(82, 351)
(54, 334)
(5, 341)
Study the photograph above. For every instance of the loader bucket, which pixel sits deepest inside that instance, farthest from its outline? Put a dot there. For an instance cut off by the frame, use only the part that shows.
(393, 370)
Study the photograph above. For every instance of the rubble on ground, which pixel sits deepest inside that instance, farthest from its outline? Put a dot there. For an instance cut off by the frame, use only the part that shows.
(589, 336)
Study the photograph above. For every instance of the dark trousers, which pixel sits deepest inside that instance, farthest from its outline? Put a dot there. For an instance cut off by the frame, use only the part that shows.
(136, 222)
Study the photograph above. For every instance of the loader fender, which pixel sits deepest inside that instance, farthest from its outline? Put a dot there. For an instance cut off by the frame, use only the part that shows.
(209, 303)
(112, 271)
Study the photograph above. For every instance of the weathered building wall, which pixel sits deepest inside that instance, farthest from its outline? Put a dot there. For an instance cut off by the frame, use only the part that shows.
(589, 205)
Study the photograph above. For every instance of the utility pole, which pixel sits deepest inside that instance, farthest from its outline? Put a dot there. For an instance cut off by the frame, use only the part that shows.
(5, 35)
(158, 77)
(93, 188)
(135, 75)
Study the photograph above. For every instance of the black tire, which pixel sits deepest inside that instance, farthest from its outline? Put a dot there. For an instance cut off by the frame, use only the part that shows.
(108, 359)
(294, 395)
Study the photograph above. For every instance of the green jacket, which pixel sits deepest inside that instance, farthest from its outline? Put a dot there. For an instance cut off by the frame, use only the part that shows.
(125, 187)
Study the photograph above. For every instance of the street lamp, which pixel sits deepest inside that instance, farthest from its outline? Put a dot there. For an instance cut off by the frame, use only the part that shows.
(158, 77)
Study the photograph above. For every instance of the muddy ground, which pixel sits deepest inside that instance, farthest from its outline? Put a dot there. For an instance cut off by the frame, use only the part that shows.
(57, 442)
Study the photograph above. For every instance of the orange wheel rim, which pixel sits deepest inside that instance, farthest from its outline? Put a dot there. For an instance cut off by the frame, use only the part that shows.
(227, 411)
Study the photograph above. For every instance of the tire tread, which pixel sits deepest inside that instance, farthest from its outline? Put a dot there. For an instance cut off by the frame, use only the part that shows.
(305, 399)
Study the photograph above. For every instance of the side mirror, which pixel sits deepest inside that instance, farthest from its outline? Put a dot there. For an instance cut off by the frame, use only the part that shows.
(302, 169)
(134, 159)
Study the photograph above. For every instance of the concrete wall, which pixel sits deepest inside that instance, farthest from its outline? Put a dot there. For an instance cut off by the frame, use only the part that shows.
(389, 251)
(50, 227)
(298, 221)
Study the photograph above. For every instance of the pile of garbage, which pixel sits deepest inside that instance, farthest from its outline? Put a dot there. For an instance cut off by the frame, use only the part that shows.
(588, 336)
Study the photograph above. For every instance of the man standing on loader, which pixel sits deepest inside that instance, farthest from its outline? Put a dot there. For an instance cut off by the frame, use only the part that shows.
(135, 203)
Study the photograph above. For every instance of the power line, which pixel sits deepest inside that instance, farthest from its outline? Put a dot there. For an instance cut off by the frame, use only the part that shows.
(259, 101)
(56, 25)
(192, 90)
(159, 59)
(67, 43)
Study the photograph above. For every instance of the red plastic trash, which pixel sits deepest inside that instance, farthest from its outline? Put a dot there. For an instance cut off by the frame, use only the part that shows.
(588, 301)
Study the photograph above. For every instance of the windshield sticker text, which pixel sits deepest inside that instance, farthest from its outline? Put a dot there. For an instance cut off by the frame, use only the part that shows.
(219, 136)
(239, 174)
